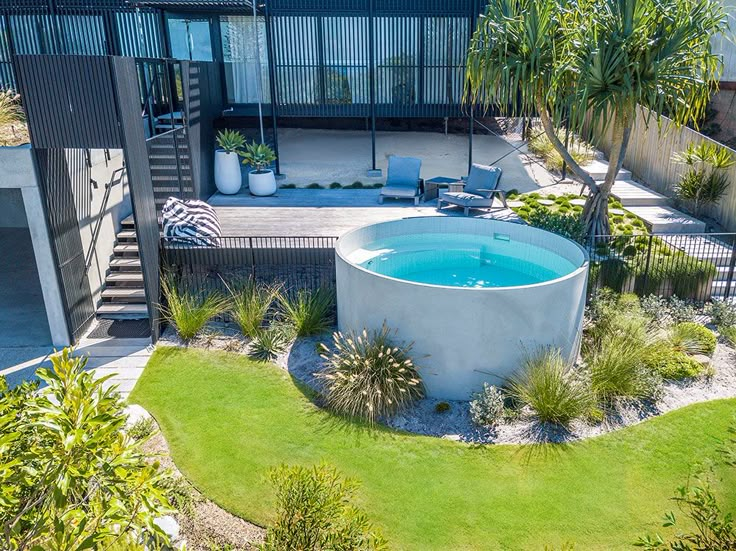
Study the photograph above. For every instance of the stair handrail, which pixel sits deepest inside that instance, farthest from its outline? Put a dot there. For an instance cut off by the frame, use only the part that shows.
(98, 223)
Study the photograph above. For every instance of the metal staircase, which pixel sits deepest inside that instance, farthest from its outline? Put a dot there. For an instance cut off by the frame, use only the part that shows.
(123, 295)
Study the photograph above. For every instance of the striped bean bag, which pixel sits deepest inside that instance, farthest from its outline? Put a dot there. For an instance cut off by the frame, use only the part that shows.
(190, 221)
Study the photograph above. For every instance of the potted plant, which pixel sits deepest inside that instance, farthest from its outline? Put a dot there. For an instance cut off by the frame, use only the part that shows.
(228, 178)
(261, 180)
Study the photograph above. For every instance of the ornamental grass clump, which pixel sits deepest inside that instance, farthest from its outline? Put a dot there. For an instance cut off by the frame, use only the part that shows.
(189, 310)
(692, 338)
(550, 389)
(369, 376)
(250, 303)
(310, 312)
(617, 370)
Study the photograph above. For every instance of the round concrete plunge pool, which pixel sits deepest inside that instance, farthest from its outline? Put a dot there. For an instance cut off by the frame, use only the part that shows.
(475, 296)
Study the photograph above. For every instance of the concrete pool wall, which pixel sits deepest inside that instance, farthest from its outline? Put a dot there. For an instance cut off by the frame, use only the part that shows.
(464, 336)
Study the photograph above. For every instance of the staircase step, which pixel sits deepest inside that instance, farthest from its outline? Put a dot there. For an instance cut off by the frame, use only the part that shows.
(664, 219)
(704, 248)
(633, 194)
(124, 277)
(598, 169)
(127, 234)
(124, 294)
(128, 264)
(128, 222)
(125, 248)
(122, 311)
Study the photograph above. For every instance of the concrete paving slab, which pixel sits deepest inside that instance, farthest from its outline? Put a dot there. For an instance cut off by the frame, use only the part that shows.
(663, 219)
(634, 194)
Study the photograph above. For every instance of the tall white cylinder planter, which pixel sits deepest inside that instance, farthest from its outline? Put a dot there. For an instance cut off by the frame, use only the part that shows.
(228, 178)
(262, 182)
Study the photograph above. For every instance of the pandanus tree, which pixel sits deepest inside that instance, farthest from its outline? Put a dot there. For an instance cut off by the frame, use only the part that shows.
(589, 64)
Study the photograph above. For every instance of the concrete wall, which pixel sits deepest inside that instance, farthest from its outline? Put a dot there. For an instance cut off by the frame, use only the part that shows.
(464, 336)
(18, 173)
(118, 207)
(12, 211)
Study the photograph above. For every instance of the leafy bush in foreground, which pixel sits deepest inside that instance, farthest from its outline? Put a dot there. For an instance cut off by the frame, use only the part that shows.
(70, 477)
(547, 387)
(692, 338)
(189, 310)
(487, 406)
(617, 370)
(722, 313)
(310, 312)
(368, 375)
(250, 303)
(669, 363)
(314, 511)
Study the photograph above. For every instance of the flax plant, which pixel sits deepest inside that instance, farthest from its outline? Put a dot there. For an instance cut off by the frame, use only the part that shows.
(369, 376)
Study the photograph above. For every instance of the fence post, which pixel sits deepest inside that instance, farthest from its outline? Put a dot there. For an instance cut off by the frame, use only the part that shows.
(731, 265)
(646, 267)
(252, 259)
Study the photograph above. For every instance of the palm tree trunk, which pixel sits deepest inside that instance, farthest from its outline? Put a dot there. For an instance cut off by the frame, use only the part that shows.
(549, 129)
(595, 212)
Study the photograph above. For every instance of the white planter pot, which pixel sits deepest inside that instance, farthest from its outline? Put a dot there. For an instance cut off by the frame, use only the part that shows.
(228, 178)
(262, 183)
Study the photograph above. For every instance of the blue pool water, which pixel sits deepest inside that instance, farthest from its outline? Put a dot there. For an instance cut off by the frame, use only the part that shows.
(462, 260)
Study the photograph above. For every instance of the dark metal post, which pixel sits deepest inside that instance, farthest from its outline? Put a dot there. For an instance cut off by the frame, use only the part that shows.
(646, 267)
(731, 266)
(272, 82)
(372, 79)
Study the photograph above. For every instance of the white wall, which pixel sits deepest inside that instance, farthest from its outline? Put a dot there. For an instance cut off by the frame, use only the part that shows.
(118, 207)
(726, 46)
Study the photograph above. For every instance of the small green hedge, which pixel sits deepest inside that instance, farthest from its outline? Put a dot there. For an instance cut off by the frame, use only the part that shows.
(669, 363)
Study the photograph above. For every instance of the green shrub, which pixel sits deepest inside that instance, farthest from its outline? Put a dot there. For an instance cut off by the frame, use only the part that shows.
(487, 406)
(547, 386)
(617, 370)
(70, 476)
(288, 186)
(368, 375)
(310, 312)
(692, 338)
(142, 428)
(377, 185)
(540, 145)
(722, 313)
(569, 226)
(355, 185)
(314, 511)
(442, 407)
(189, 310)
(665, 311)
(670, 364)
(250, 303)
(613, 314)
(269, 342)
(729, 334)
(315, 185)
(335, 185)
(180, 493)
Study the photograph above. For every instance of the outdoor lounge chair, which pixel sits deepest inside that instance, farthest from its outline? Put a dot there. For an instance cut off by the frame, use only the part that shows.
(478, 192)
(402, 180)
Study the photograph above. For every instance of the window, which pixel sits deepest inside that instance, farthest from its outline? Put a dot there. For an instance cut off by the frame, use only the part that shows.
(245, 58)
(190, 38)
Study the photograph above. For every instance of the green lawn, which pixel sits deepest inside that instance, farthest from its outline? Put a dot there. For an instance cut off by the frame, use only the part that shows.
(228, 419)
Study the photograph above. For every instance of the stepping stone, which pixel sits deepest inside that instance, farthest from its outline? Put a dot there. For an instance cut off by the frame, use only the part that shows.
(633, 194)
(578, 202)
(545, 202)
(598, 169)
(515, 204)
(619, 212)
(663, 219)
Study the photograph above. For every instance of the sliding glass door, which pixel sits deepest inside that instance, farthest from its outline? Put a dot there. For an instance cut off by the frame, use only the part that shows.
(190, 37)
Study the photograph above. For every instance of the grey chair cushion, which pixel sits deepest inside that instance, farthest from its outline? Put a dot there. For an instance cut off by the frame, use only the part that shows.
(482, 177)
(400, 190)
(403, 171)
(466, 199)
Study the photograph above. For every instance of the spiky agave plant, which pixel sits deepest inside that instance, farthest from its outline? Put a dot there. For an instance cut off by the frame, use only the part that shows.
(368, 375)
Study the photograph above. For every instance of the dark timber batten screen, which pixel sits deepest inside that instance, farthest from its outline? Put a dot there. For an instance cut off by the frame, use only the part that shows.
(81, 102)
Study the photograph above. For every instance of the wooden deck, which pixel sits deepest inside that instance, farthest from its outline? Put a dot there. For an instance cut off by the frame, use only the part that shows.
(320, 213)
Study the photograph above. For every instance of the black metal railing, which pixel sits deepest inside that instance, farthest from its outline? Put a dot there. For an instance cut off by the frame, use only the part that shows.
(294, 262)
(698, 267)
